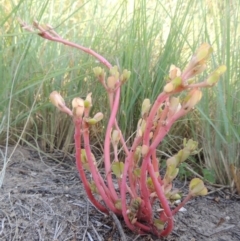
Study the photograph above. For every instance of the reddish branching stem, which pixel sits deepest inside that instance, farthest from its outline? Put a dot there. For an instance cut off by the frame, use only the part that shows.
(77, 138)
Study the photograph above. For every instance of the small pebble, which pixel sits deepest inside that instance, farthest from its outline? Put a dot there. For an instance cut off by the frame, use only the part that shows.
(177, 201)
(227, 218)
(182, 209)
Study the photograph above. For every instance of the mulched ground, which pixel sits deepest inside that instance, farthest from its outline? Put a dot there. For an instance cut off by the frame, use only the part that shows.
(43, 200)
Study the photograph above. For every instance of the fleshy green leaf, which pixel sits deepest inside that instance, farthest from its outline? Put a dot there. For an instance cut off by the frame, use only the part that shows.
(117, 169)
(197, 188)
(118, 204)
(159, 224)
(93, 187)
(150, 184)
(137, 172)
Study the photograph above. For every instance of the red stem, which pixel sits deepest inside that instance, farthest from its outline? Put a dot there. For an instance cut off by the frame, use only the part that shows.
(163, 200)
(160, 99)
(124, 183)
(186, 199)
(143, 186)
(145, 193)
(165, 128)
(77, 138)
(123, 142)
(46, 34)
(132, 179)
(156, 165)
(107, 161)
(103, 190)
(124, 198)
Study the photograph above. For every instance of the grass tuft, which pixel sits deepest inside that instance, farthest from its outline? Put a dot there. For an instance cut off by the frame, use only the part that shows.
(143, 36)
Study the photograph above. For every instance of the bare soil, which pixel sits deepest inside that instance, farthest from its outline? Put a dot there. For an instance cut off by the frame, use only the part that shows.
(42, 199)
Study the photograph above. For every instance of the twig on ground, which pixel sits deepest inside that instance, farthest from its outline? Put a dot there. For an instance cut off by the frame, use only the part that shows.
(3, 220)
(218, 189)
(208, 235)
(221, 230)
(58, 231)
(89, 236)
(137, 237)
(85, 232)
(97, 234)
(119, 226)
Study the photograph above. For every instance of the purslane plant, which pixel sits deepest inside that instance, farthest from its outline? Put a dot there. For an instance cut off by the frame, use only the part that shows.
(134, 189)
